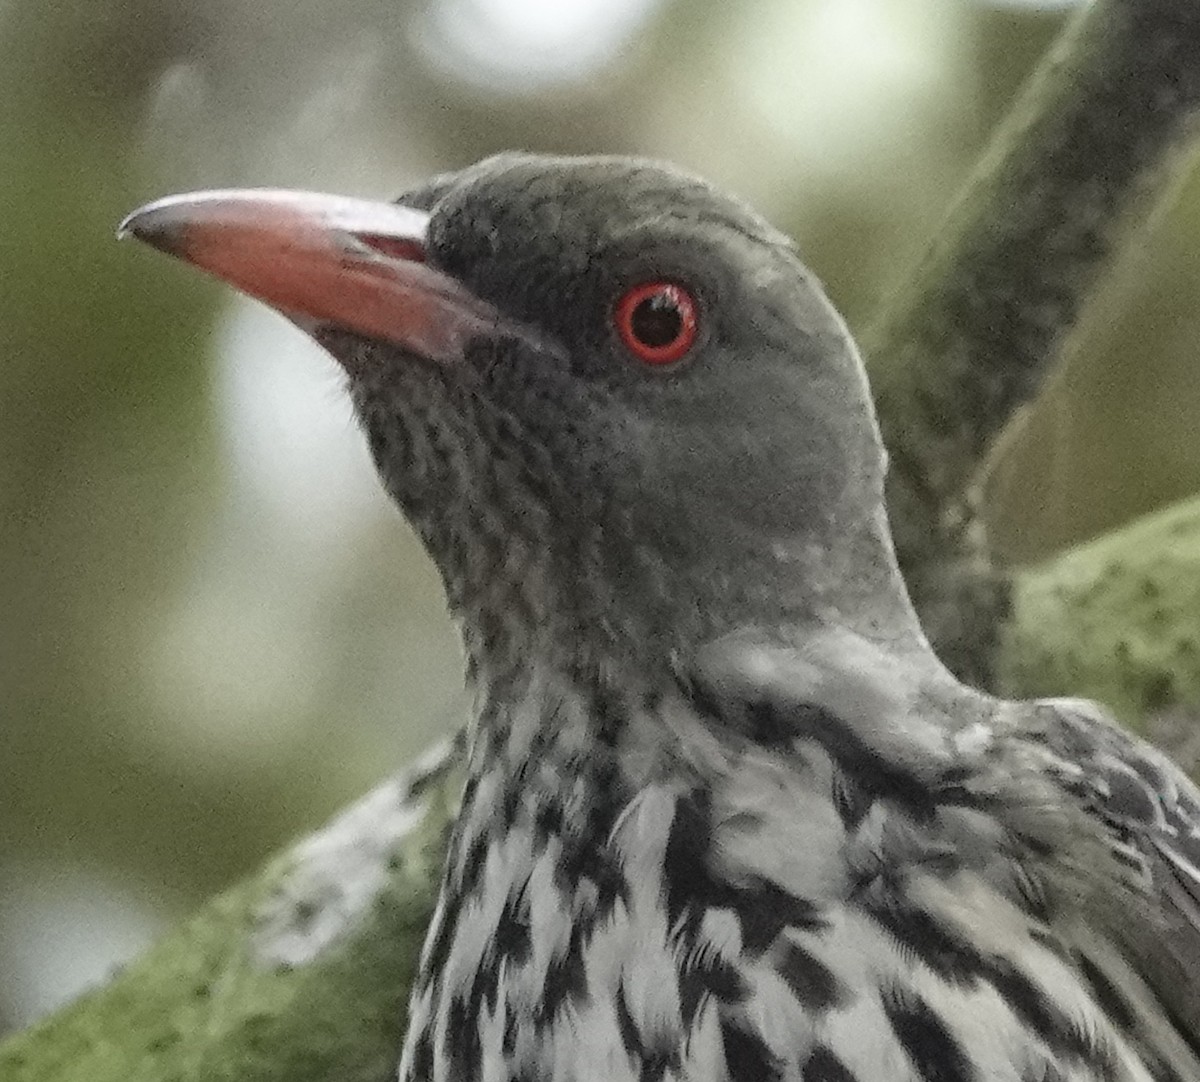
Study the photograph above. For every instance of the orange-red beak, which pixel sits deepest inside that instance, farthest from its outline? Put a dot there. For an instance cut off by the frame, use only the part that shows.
(324, 261)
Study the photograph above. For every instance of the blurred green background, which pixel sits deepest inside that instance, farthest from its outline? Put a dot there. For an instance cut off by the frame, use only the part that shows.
(213, 629)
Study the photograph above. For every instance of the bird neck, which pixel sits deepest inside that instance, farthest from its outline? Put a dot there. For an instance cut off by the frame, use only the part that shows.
(545, 728)
(571, 683)
(628, 613)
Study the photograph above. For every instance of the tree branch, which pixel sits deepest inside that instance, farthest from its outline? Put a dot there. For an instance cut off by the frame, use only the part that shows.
(1086, 156)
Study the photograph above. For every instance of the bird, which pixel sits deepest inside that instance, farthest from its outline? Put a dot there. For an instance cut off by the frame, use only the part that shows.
(726, 817)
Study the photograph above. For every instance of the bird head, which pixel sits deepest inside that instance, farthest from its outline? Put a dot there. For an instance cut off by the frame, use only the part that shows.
(619, 411)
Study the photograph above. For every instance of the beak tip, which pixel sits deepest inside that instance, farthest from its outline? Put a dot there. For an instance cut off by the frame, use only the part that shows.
(153, 226)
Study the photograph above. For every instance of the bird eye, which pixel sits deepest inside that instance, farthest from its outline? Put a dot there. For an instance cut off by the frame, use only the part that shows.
(657, 322)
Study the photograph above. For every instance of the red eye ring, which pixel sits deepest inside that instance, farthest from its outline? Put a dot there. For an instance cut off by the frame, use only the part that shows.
(657, 321)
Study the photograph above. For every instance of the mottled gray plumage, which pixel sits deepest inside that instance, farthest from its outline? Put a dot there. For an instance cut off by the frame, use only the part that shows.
(728, 819)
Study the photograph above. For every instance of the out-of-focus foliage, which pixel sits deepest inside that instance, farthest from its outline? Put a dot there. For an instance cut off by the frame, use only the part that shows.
(213, 630)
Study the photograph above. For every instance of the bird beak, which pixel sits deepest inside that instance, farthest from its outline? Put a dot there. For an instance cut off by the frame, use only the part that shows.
(324, 261)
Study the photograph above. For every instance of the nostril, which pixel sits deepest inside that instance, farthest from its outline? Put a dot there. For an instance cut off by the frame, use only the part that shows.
(395, 247)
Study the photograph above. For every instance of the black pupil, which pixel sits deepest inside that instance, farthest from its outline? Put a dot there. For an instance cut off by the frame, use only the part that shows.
(657, 321)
